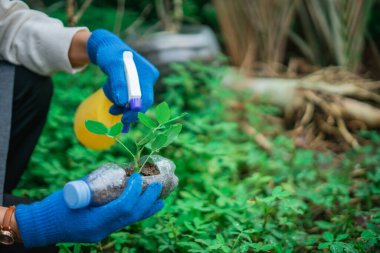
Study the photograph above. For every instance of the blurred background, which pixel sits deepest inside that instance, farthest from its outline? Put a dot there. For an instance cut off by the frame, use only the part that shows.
(280, 151)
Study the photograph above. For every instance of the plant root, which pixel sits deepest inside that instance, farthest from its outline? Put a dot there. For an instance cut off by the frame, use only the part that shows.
(260, 139)
(324, 109)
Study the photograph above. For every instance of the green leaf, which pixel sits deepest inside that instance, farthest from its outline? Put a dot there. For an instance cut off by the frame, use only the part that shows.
(220, 238)
(147, 138)
(162, 112)
(336, 248)
(115, 129)
(131, 145)
(178, 117)
(226, 249)
(173, 133)
(215, 246)
(349, 248)
(96, 127)
(278, 192)
(324, 224)
(324, 245)
(77, 248)
(367, 235)
(148, 122)
(159, 142)
(267, 247)
(341, 237)
(329, 237)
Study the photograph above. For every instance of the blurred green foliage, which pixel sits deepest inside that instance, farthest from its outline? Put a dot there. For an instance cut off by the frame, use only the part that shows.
(101, 14)
(233, 196)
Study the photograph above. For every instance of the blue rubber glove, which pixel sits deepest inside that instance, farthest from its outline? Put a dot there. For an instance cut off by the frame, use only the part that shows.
(106, 50)
(50, 221)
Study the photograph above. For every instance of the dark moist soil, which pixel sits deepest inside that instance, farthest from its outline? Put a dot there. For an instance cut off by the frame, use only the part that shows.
(148, 170)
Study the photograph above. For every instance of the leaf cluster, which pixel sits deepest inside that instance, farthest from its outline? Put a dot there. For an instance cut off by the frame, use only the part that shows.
(232, 196)
(161, 132)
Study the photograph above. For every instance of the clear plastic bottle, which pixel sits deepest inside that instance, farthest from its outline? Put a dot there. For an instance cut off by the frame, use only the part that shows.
(99, 187)
(108, 181)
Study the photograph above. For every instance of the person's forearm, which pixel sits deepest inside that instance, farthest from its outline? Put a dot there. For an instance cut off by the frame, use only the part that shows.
(14, 226)
(78, 51)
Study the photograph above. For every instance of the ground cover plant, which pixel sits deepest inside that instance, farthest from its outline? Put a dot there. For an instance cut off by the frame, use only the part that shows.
(233, 195)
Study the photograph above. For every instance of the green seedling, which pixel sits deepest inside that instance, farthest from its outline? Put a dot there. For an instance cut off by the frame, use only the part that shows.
(161, 132)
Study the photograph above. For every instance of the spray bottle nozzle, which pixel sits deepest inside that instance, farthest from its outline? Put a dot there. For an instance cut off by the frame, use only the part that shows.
(133, 83)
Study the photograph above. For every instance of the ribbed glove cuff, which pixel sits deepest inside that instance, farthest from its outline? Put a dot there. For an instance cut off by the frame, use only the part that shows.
(100, 38)
(36, 224)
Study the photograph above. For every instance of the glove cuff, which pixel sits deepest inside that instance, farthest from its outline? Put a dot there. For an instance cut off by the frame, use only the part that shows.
(36, 225)
(99, 38)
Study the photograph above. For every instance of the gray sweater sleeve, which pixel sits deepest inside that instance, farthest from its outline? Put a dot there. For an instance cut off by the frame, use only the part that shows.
(32, 39)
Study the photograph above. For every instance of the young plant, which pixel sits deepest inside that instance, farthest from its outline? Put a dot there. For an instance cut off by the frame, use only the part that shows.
(161, 132)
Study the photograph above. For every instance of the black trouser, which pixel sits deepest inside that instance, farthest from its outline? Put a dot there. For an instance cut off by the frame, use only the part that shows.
(31, 99)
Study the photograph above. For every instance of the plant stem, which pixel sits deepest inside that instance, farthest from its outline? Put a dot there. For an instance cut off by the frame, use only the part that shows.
(266, 214)
(237, 239)
(142, 166)
(117, 139)
(146, 136)
(139, 143)
(161, 126)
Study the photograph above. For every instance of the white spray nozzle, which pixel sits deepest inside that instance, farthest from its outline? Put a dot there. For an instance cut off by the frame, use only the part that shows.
(133, 83)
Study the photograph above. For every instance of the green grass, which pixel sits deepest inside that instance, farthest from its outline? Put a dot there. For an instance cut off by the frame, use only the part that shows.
(232, 195)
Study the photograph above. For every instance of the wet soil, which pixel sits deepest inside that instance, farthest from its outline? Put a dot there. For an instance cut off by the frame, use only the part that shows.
(148, 170)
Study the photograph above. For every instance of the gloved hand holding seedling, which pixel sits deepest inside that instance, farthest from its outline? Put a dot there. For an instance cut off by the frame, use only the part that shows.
(107, 182)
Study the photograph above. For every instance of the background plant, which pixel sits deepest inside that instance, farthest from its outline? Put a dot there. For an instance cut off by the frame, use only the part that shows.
(256, 32)
(333, 32)
(233, 195)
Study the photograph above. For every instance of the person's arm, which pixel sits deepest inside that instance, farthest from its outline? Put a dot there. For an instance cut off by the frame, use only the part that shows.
(78, 49)
(34, 40)
(14, 226)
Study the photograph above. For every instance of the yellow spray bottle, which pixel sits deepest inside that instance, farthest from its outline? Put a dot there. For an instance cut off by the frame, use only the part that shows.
(96, 107)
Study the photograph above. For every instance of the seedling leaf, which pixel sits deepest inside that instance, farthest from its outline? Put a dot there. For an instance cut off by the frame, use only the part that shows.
(96, 127)
(159, 142)
(177, 118)
(115, 129)
(162, 112)
(149, 136)
(148, 122)
(173, 133)
(131, 145)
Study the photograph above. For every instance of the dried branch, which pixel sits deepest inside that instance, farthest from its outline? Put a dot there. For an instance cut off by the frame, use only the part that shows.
(119, 16)
(73, 19)
(346, 134)
(260, 139)
(140, 20)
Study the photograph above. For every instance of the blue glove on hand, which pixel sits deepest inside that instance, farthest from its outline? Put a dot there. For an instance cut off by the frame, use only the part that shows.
(106, 50)
(50, 221)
